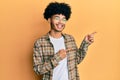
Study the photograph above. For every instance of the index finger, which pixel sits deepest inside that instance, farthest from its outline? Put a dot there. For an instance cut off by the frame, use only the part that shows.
(93, 33)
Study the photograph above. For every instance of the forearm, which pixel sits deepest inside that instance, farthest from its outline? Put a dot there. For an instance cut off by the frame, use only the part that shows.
(42, 67)
(82, 51)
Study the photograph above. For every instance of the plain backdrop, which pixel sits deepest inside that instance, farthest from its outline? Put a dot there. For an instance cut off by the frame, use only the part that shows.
(22, 22)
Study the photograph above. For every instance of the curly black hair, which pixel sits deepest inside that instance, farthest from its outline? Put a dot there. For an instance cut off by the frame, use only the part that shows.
(57, 8)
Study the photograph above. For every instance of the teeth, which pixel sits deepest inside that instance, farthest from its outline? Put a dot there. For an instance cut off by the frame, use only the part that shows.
(59, 26)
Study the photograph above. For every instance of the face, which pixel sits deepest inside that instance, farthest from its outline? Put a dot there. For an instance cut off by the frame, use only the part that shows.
(58, 22)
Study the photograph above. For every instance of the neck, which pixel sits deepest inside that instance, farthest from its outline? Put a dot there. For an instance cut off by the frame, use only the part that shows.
(55, 34)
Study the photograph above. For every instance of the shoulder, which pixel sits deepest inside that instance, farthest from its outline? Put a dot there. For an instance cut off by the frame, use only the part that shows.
(41, 40)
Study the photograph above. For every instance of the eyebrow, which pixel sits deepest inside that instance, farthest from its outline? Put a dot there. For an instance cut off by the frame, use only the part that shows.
(58, 16)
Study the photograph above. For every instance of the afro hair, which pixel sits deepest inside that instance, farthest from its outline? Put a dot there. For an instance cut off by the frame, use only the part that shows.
(57, 8)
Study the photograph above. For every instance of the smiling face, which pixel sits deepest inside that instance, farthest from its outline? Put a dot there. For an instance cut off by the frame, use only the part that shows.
(58, 22)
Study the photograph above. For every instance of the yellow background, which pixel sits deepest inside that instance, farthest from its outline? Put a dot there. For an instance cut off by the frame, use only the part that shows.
(22, 22)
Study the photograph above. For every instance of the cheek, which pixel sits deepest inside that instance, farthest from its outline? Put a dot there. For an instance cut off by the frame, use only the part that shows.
(54, 22)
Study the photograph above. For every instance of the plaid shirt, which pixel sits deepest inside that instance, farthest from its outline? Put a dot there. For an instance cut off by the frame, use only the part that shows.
(45, 60)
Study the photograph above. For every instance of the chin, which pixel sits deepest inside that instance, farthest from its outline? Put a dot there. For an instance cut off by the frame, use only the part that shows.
(58, 30)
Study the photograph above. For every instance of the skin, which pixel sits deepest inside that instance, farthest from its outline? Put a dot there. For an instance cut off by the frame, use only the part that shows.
(57, 23)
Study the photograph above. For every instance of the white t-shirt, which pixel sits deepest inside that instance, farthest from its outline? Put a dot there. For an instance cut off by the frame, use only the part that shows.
(60, 72)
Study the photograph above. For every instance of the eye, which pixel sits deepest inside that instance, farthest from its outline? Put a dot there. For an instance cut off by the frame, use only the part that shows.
(64, 19)
(57, 18)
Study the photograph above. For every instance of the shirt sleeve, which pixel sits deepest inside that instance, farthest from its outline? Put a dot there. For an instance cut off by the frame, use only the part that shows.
(40, 65)
(81, 51)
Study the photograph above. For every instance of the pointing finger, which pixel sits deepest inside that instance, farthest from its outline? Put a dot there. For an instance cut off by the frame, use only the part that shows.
(93, 33)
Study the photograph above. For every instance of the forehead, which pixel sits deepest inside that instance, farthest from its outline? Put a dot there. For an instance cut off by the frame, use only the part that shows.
(59, 15)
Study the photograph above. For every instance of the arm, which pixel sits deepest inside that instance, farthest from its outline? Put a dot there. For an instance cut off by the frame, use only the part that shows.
(88, 40)
(81, 53)
(39, 64)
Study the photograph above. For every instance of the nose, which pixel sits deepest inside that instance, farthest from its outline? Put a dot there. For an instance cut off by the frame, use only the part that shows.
(60, 21)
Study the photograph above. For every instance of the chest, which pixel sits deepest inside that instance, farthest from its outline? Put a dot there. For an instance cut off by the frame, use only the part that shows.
(49, 49)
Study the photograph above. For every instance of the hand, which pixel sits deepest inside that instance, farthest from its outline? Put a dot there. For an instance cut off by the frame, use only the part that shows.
(90, 37)
(63, 53)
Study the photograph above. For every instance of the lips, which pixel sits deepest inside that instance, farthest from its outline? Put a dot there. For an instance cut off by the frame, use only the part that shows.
(60, 26)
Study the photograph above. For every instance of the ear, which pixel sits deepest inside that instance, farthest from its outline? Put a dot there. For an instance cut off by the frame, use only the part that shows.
(49, 20)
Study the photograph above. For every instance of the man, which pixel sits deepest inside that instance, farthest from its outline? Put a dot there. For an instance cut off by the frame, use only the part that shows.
(56, 55)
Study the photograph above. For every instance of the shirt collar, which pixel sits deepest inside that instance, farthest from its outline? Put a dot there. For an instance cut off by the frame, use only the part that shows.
(47, 36)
